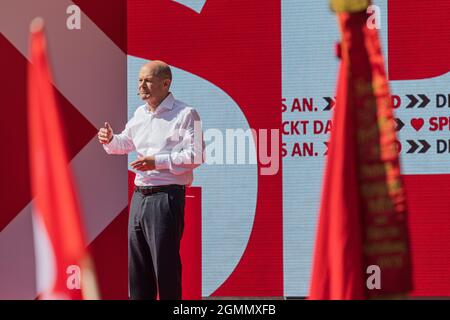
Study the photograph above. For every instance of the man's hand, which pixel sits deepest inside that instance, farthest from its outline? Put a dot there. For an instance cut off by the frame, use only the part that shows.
(105, 134)
(144, 163)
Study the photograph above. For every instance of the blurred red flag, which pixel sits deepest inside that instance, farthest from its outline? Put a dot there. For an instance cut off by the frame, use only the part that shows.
(62, 263)
(362, 248)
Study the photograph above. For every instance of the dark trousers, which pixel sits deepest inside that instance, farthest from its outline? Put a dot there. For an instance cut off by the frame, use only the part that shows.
(154, 233)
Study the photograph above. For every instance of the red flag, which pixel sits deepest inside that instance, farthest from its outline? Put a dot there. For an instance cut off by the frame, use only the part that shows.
(361, 248)
(62, 263)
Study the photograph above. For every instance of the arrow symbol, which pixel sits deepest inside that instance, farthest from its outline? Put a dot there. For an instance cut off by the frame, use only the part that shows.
(425, 146)
(425, 101)
(413, 101)
(326, 151)
(399, 124)
(413, 145)
(331, 103)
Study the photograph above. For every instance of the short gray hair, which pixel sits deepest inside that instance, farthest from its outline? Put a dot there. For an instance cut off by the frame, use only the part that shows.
(163, 72)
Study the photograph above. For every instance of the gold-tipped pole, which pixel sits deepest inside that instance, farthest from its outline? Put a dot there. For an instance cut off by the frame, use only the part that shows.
(350, 6)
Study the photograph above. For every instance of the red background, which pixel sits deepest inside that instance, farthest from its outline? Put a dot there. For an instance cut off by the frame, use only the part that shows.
(217, 48)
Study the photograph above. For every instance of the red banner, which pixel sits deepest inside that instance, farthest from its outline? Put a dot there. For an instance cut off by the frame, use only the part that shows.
(59, 238)
(362, 227)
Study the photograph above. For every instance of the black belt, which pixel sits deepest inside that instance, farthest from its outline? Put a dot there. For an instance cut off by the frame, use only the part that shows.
(155, 189)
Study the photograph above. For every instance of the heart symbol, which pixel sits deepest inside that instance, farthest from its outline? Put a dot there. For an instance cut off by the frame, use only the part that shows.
(417, 123)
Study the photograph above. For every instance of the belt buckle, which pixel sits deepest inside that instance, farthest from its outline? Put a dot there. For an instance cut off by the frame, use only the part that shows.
(145, 191)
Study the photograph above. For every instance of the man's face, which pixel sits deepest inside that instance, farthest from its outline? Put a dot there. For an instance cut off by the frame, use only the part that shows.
(151, 87)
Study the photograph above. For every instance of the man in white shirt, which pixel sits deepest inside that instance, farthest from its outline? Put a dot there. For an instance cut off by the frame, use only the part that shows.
(167, 136)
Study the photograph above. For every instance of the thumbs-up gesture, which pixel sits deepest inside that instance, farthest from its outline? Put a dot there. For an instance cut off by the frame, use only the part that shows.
(105, 134)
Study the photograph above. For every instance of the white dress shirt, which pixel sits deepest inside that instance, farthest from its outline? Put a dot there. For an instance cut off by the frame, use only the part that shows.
(172, 134)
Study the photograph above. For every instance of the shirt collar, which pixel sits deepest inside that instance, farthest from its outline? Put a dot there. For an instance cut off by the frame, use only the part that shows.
(167, 103)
